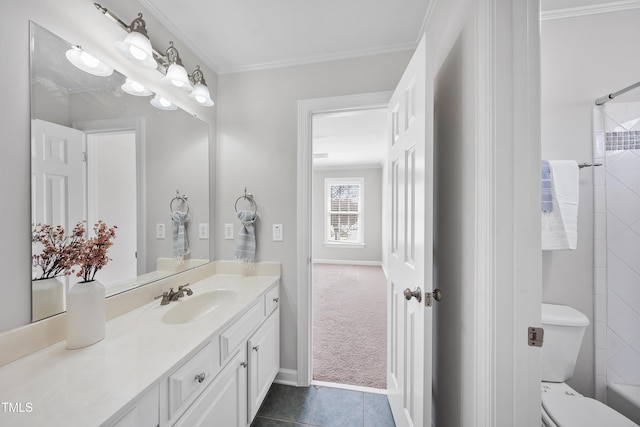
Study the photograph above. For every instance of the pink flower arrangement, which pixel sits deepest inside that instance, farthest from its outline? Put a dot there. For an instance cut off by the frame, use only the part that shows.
(61, 253)
(92, 254)
(58, 250)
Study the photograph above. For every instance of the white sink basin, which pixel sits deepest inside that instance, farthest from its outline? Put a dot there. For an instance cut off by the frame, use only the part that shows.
(191, 308)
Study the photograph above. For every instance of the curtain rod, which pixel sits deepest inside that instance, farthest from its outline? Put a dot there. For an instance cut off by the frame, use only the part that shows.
(604, 99)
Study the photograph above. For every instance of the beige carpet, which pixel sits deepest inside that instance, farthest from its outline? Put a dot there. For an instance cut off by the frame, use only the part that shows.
(350, 325)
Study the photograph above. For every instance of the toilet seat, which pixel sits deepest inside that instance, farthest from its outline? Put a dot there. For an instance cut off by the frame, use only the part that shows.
(564, 410)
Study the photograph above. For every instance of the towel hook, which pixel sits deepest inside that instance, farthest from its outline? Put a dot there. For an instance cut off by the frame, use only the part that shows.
(181, 199)
(249, 198)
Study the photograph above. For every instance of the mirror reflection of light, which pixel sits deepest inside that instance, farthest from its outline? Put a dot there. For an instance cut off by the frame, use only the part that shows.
(132, 87)
(136, 86)
(162, 103)
(89, 60)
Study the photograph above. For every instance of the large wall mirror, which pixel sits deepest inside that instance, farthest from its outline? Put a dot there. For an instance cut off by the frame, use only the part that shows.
(99, 153)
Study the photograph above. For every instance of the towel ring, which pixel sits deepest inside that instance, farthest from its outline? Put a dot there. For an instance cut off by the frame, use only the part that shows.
(248, 197)
(181, 199)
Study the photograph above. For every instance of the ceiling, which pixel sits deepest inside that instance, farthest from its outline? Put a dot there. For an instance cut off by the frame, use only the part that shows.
(354, 138)
(235, 36)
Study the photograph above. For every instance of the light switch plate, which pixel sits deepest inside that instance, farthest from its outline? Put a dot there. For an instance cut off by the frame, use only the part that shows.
(160, 231)
(228, 231)
(278, 233)
(203, 230)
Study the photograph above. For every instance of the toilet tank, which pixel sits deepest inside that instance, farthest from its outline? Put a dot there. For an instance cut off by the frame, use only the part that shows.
(564, 328)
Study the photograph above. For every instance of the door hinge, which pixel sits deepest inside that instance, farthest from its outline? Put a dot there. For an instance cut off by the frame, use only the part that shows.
(84, 156)
(536, 336)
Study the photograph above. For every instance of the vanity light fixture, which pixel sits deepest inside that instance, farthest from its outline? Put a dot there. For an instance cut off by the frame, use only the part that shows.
(137, 47)
(176, 74)
(200, 92)
(132, 87)
(87, 62)
(162, 103)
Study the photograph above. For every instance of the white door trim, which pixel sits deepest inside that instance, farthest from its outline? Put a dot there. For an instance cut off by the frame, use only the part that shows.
(306, 109)
(136, 124)
(508, 264)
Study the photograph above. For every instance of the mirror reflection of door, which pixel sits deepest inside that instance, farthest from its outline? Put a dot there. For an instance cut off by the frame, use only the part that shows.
(112, 195)
(57, 197)
(67, 189)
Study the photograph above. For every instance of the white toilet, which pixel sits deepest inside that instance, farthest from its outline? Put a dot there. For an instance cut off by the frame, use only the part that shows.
(561, 405)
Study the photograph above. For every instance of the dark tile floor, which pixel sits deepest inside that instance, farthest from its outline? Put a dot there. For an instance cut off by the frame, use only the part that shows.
(287, 406)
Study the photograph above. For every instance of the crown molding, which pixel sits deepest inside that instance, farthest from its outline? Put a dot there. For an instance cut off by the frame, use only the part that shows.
(317, 58)
(574, 12)
(188, 43)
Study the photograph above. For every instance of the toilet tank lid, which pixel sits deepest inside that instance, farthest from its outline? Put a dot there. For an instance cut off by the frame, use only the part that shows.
(562, 315)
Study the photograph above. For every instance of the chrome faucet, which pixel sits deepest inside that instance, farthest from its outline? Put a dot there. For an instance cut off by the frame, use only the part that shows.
(167, 297)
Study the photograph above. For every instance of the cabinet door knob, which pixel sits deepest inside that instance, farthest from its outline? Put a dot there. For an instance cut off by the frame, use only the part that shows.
(256, 348)
(200, 377)
(243, 364)
(276, 299)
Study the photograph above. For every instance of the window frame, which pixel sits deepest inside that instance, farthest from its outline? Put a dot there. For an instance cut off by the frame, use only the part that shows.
(328, 183)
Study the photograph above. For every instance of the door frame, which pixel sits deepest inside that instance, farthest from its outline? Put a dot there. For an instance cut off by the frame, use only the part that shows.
(137, 125)
(306, 109)
(507, 271)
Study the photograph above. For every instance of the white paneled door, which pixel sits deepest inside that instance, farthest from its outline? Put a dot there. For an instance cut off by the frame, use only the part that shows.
(57, 170)
(410, 257)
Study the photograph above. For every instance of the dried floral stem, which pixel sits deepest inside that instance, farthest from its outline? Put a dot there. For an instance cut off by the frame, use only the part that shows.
(60, 253)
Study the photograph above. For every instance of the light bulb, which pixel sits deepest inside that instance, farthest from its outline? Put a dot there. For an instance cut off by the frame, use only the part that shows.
(137, 53)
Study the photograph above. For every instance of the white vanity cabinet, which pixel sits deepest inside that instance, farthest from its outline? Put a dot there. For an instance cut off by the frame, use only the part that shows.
(224, 403)
(143, 412)
(263, 350)
(237, 375)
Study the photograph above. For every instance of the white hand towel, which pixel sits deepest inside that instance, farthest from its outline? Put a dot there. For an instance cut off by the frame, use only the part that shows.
(560, 226)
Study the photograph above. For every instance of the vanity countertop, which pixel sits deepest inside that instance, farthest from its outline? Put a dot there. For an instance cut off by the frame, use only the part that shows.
(85, 387)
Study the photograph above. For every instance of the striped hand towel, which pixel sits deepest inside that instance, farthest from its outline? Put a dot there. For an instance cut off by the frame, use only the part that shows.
(180, 239)
(246, 241)
(547, 199)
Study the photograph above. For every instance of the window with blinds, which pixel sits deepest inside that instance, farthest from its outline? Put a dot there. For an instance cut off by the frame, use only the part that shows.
(344, 210)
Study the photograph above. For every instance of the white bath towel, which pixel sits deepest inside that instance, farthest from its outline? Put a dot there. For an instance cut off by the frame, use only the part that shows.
(560, 226)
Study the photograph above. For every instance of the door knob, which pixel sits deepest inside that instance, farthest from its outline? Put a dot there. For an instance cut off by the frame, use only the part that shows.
(416, 293)
(430, 296)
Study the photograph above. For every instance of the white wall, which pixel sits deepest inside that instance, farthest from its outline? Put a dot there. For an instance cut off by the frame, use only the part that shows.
(257, 145)
(583, 58)
(454, 231)
(77, 21)
(372, 214)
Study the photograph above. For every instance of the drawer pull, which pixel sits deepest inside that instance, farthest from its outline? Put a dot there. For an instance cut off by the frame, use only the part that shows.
(256, 348)
(200, 377)
(276, 299)
(243, 364)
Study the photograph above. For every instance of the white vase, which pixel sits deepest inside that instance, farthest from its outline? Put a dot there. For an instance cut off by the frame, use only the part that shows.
(85, 314)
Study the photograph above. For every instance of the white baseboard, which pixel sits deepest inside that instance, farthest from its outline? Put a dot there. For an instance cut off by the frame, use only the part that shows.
(346, 262)
(287, 377)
